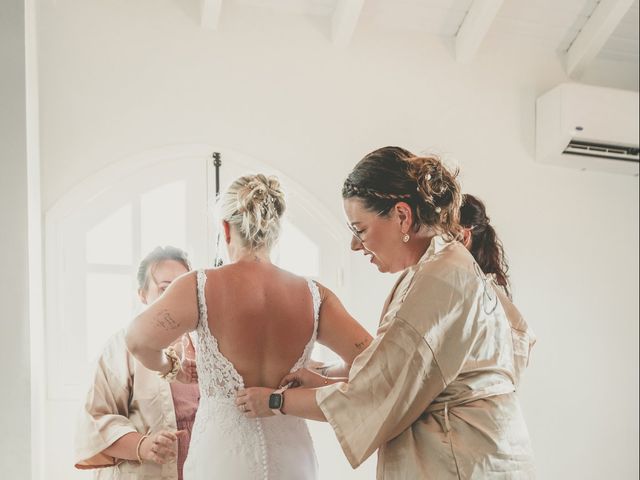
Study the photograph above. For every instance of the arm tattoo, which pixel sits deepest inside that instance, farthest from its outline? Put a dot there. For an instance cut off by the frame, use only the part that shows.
(165, 321)
(361, 345)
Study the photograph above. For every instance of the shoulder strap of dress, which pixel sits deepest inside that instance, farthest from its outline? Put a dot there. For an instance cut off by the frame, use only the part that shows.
(306, 354)
(317, 300)
(201, 276)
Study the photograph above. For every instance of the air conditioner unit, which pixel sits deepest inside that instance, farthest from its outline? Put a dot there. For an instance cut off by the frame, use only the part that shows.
(589, 128)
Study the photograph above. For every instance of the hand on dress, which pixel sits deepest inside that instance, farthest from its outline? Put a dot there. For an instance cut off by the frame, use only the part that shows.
(188, 372)
(254, 402)
(161, 447)
(304, 378)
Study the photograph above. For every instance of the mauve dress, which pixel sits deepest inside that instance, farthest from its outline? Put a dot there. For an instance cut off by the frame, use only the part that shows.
(185, 401)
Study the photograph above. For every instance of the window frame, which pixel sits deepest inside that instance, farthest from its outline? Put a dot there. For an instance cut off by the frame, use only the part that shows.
(304, 211)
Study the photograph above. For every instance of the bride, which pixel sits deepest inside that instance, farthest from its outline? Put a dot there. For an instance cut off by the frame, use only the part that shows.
(255, 323)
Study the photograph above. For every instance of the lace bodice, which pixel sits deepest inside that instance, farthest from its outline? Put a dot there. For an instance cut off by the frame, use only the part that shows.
(225, 442)
(217, 376)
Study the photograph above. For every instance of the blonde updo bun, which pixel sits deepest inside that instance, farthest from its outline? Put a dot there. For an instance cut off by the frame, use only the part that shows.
(254, 204)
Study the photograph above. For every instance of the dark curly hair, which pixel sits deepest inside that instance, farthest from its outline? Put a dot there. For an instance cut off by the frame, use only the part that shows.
(486, 247)
(390, 175)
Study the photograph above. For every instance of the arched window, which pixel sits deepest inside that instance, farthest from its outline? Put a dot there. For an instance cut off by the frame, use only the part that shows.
(98, 233)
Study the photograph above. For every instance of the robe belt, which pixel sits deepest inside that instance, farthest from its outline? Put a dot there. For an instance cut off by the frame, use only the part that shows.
(444, 407)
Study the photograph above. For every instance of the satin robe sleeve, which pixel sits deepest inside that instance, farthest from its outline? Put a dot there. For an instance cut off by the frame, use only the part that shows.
(419, 348)
(103, 418)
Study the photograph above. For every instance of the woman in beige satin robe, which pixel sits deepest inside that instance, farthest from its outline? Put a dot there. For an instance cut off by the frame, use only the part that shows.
(126, 401)
(480, 238)
(434, 393)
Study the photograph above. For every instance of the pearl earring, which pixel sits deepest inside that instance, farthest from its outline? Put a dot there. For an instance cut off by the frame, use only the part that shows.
(405, 238)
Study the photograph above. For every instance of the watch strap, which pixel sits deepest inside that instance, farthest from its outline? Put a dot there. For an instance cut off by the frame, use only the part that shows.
(280, 391)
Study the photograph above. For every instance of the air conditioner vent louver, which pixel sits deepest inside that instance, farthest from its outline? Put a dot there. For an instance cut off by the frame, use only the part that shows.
(600, 150)
(589, 128)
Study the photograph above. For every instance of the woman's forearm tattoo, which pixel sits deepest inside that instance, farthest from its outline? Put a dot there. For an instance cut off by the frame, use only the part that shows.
(165, 321)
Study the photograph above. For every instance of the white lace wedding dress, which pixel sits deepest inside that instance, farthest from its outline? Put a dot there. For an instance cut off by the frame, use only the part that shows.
(226, 445)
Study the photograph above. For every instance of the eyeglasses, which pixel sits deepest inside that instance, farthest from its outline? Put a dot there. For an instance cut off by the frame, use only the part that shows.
(355, 233)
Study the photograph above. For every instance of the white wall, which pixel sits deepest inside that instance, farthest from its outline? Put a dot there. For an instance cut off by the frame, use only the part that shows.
(15, 409)
(121, 77)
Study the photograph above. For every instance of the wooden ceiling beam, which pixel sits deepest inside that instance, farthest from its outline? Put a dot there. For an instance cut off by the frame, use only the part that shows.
(474, 28)
(595, 33)
(210, 13)
(345, 20)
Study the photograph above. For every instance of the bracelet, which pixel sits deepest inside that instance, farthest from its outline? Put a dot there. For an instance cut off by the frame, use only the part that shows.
(176, 365)
(138, 448)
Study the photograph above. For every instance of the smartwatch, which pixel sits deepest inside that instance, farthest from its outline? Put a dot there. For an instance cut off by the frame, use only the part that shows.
(276, 400)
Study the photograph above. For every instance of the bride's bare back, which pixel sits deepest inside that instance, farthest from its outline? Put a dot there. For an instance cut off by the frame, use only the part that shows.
(262, 318)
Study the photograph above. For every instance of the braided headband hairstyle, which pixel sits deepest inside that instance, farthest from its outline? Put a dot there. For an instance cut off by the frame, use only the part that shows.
(255, 205)
(486, 247)
(390, 175)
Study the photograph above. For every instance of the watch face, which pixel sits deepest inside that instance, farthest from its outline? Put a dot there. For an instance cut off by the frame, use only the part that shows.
(275, 401)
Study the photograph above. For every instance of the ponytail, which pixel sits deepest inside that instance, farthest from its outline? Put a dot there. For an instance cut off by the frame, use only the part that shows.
(486, 247)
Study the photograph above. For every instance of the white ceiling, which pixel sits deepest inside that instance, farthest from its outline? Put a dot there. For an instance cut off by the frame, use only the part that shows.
(555, 23)
(624, 44)
(301, 7)
(439, 17)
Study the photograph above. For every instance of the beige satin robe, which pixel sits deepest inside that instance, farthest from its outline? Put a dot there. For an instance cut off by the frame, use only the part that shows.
(124, 397)
(434, 392)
